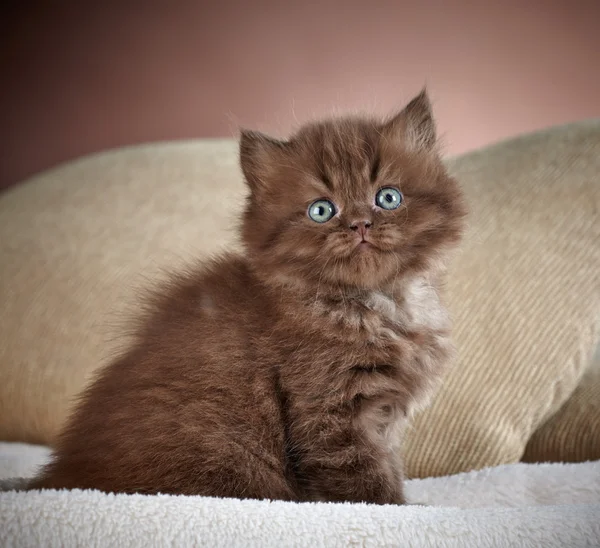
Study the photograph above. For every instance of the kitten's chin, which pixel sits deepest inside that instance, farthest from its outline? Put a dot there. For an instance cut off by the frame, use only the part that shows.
(366, 267)
(364, 247)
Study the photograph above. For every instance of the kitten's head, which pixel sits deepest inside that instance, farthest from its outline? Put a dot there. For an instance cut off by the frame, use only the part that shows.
(350, 202)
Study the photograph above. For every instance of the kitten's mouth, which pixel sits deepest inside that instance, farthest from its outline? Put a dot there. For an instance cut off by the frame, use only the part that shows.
(364, 245)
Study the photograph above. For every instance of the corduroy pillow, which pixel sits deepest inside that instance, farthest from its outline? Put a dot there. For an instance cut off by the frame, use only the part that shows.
(572, 434)
(78, 241)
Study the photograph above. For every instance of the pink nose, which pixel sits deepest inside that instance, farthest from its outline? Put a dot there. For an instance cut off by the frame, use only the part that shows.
(361, 227)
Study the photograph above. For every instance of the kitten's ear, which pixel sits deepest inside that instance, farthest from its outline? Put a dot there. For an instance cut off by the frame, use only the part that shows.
(258, 154)
(415, 124)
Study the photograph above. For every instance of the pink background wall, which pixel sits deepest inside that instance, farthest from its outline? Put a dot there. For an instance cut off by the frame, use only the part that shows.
(78, 79)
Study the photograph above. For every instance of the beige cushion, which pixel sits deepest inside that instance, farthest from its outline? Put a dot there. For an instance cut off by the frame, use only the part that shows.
(77, 242)
(76, 245)
(572, 434)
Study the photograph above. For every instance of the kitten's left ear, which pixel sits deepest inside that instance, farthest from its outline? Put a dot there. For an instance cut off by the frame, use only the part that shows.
(258, 154)
(415, 124)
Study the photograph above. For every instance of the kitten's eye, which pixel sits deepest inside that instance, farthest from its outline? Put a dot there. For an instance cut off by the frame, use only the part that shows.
(321, 211)
(388, 198)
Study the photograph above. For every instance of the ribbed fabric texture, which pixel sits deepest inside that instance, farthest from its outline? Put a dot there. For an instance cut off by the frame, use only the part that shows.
(78, 241)
(572, 434)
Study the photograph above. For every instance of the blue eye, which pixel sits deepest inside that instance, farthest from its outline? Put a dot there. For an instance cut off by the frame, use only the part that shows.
(388, 198)
(321, 211)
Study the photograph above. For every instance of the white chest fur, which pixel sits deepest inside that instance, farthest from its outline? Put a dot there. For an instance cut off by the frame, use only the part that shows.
(420, 307)
(379, 316)
(419, 310)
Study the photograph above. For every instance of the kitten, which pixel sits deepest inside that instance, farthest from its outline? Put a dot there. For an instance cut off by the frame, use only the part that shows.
(289, 372)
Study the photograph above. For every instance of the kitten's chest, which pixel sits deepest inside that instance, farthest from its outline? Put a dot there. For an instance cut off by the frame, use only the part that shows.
(382, 318)
(375, 330)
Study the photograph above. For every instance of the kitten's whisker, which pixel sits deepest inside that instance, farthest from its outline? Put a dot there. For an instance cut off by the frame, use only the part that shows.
(320, 278)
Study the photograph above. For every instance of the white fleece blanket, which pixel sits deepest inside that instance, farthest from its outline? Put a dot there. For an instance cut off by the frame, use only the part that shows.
(543, 505)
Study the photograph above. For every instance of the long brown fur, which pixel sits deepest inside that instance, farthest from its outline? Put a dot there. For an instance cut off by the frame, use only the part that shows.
(288, 372)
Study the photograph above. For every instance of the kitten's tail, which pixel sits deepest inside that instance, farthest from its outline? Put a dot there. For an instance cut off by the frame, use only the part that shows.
(14, 484)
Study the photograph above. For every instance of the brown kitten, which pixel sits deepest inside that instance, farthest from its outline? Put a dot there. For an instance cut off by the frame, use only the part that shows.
(289, 372)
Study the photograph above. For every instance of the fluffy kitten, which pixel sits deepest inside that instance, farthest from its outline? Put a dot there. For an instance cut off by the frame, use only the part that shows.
(289, 372)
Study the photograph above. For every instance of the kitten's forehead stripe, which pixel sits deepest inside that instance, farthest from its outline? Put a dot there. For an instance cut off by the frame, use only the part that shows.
(321, 187)
(344, 151)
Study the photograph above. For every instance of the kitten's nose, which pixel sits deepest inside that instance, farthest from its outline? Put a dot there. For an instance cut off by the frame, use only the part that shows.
(361, 227)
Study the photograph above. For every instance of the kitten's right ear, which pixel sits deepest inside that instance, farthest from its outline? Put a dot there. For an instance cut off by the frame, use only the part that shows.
(415, 124)
(258, 154)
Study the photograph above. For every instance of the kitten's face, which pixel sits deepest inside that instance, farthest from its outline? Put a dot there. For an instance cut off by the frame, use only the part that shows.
(350, 202)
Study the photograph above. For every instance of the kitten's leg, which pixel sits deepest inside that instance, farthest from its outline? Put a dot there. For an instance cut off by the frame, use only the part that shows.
(351, 454)
(246, 476)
